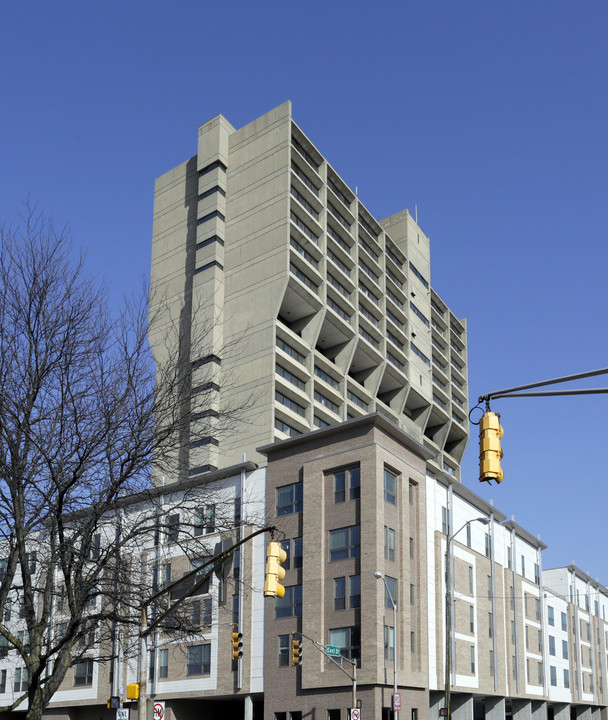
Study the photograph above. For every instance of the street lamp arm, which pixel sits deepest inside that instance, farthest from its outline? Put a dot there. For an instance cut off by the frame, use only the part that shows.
(453, 535)
(482, 520)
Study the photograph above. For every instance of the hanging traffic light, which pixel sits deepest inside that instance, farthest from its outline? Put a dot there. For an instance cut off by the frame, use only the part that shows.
(490, 451)
(275, 555)
(237, 645)
(296, 651)
(133, 691)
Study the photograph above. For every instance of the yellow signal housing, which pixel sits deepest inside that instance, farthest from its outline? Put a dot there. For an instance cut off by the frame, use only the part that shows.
(296, 652)
(275, 555)
(237, 645)
(490, 450)
(133, 691)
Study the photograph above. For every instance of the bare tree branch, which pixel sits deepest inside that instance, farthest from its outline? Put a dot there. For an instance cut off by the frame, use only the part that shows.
(84, 411)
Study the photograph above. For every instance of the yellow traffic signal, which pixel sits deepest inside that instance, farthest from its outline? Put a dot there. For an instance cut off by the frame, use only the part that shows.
(296, 652)
(133, 691)
(490, 451)
(237, 645)
(275, 555)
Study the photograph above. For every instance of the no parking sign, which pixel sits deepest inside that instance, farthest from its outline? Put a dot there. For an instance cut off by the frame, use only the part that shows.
(159, 711)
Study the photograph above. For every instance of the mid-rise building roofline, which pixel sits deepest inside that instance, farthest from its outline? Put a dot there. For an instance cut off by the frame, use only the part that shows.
(524, 534)
(472, 498)
(376, 419)
(583, 576)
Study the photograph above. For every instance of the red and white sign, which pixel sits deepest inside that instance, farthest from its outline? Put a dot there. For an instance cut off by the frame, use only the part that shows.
(355, 714)
(397, 701)
(159, 710)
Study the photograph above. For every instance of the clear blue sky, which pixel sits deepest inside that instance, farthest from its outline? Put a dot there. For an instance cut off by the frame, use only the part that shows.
(491, 117)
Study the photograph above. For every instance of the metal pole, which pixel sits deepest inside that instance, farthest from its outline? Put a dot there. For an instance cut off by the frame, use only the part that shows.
(448, 625)
(396, 633)
(380, 576)
(143, 671)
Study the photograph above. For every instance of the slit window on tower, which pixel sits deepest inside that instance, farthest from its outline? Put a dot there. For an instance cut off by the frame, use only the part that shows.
(419, 314)
(210, 241)
(419, 275)
(213, 263)
(210, 216)
(208, 193)
(204, 441)
(421, 355)
(217, 165)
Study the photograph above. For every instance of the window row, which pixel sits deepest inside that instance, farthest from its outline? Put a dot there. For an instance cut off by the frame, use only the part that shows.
(346, 486)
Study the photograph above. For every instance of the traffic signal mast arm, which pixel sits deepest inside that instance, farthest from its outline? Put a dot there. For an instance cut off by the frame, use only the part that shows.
(322, 648)
(516, 391)
(218, 561)
(490, 429)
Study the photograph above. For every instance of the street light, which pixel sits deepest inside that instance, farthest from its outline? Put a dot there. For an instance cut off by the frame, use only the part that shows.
(379, 576)
(448, 609)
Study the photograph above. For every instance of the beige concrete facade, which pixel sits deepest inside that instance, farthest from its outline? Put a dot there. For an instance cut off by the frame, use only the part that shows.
(283, 294)
(311, 310)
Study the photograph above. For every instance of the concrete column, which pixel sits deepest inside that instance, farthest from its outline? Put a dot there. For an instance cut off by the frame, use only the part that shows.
(596, 713)
(495, 708)
(561, 711)
(538, 710)
(582, 712)
(461, 707)
(522, 710)
(436, 702)
(248, 714)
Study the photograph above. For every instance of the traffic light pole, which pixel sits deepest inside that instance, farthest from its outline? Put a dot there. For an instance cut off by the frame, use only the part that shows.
(321, 648)
(146, 629)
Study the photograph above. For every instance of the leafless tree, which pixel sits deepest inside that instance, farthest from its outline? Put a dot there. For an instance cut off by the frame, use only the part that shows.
(83, 412)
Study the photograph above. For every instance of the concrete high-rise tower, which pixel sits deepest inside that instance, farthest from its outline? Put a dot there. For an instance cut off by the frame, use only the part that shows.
(310, 308)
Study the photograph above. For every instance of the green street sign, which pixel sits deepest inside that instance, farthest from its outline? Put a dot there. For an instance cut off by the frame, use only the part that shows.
(332, 650)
